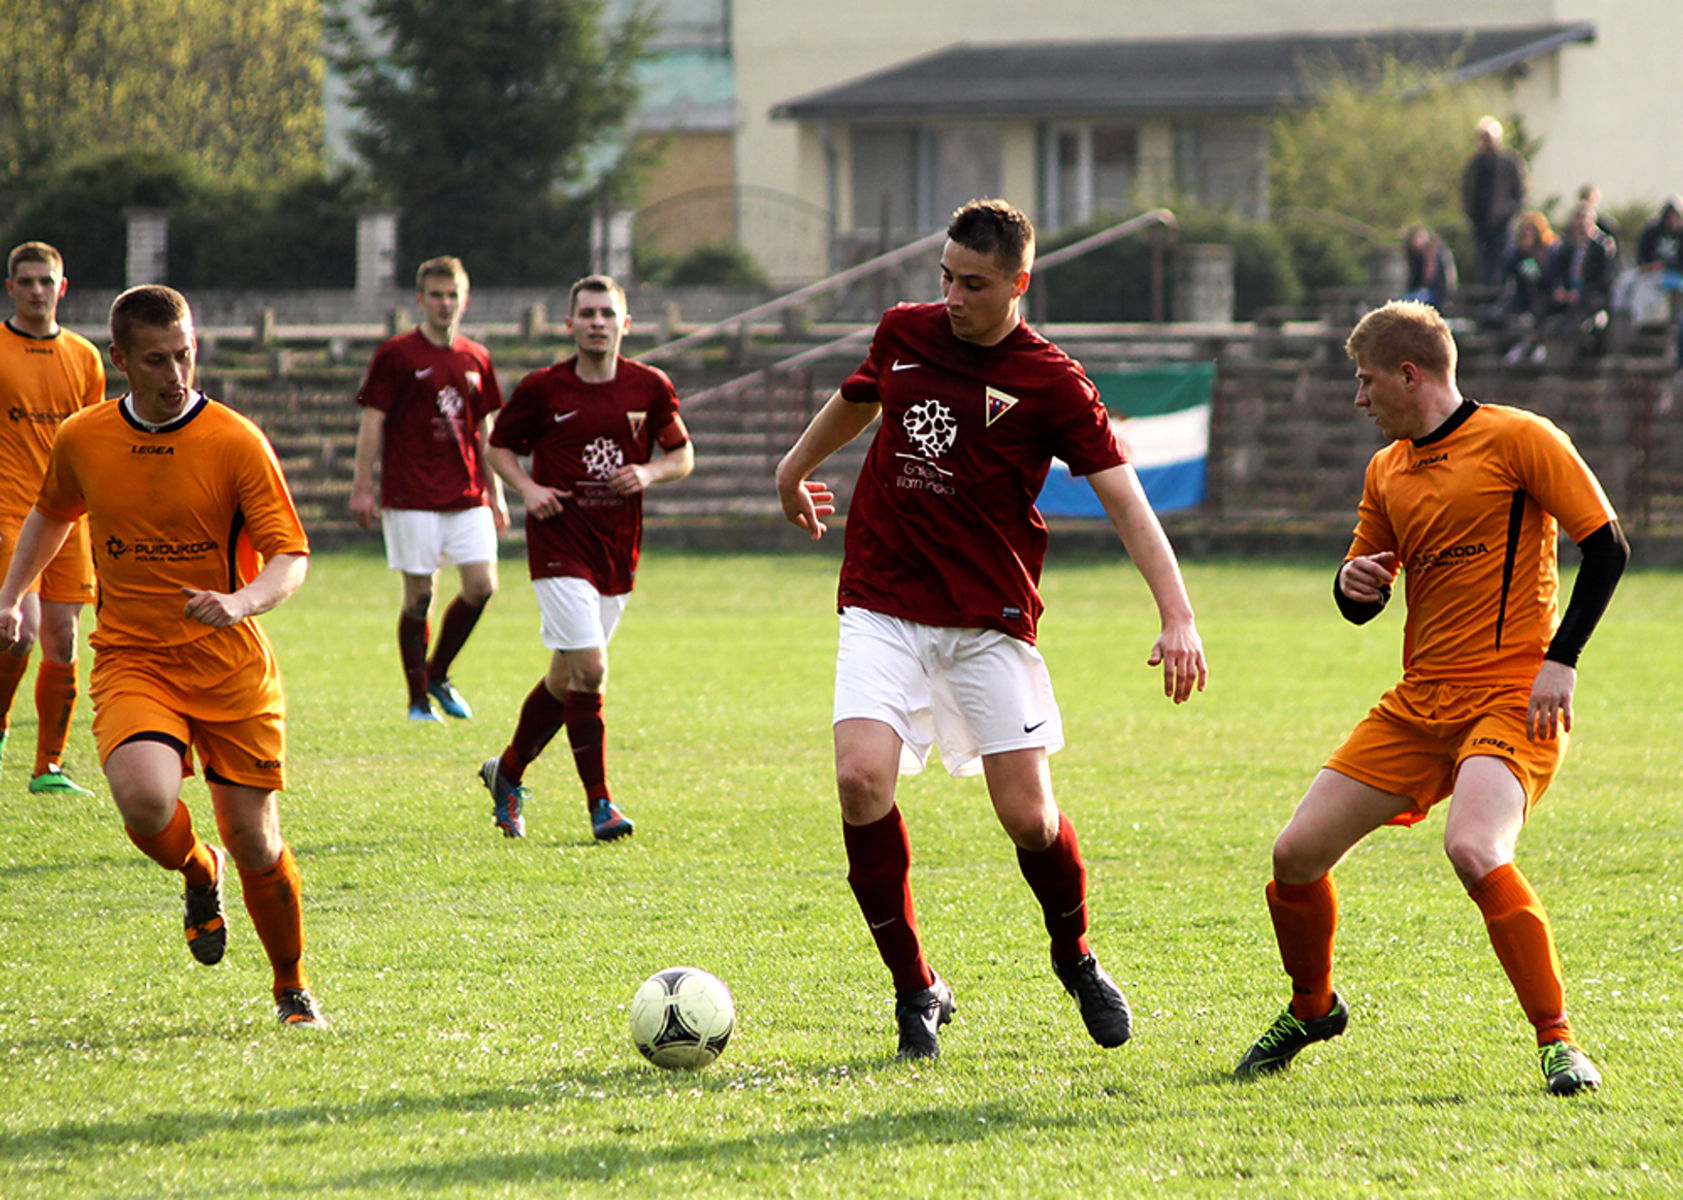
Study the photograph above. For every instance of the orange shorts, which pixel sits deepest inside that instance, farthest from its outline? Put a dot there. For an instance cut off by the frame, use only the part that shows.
(1415, 739)
(69, 577)
(236, 723)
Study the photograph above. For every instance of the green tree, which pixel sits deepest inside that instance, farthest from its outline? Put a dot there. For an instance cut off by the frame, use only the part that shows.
(497, 127)
(1382, 145)
(233, 90)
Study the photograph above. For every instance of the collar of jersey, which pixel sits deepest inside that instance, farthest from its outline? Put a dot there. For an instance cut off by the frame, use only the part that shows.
(126, 407)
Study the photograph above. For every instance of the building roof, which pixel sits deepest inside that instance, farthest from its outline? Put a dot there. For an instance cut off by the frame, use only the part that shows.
(1154, 76)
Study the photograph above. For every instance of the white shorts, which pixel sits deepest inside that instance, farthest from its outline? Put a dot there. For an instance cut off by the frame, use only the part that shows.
(575, 615)
(418, 541)
(972, 691)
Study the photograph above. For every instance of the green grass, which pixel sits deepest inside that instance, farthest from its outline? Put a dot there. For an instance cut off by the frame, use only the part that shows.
(479, 986)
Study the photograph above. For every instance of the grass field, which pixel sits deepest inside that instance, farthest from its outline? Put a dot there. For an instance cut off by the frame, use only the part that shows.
(479, 986)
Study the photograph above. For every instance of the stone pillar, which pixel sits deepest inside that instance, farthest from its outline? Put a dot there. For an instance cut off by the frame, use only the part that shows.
(376, 253)
(1203, 284)
(1387, 270)
(148, 246)
(610, 245)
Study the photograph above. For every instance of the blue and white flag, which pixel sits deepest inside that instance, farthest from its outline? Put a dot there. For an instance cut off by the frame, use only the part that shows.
(1161, 415)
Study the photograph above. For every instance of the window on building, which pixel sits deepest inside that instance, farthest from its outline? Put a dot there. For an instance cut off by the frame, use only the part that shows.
(1223, 166)
(1091, 169)
(885, 178)
(912, 178)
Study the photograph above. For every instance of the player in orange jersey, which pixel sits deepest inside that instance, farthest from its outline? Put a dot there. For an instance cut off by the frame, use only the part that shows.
(1466, 501)
(195, 534)
(46, 373)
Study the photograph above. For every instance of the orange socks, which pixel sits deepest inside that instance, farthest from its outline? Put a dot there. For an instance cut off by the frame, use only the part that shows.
(273, 900)
(55, 701)
(177, 848)
(1305, 918)
(1524, 943)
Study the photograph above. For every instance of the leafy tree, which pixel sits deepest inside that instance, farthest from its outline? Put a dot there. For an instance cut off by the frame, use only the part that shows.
(1382, 145)
(231, 89)
(495, 126)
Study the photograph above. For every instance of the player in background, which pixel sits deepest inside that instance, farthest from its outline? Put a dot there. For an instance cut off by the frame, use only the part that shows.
(1465, 501)
(46, 373)
(939, 595)
(426, 407)
(183, 498)
(592, 424)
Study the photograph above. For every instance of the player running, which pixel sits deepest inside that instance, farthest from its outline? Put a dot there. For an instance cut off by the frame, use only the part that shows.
(426, 407)
(939, 595)
(592, 424)
(183, 498)
(1464, 501)
(46, 373)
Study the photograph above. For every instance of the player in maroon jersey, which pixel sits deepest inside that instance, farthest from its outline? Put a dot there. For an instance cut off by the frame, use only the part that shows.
(592, 424)
(939, 594)
(426, 409)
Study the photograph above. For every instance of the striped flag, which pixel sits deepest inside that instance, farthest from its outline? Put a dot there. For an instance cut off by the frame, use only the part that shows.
(1161, 414)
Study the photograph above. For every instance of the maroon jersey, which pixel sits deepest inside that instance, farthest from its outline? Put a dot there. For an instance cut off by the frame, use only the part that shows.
(578, 434)
(942, 528)
(434, 398)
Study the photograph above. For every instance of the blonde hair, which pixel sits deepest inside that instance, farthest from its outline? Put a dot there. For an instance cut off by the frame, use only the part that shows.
(1404, 331)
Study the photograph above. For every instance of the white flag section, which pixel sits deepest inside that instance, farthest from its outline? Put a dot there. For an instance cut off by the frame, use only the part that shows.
(1166, 439)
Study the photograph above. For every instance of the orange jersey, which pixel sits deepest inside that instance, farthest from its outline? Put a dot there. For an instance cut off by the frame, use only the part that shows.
(1471, 516)
(42, 381)
(192, 505)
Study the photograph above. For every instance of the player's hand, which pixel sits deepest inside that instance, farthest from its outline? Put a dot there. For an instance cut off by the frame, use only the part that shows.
(544, 502)
(1549, 711)
(1181, 652)
(216, 609)
(11, 624)
(1367, 578)
(499, 514)
(807, 504)
(630, 479)
(364, 507)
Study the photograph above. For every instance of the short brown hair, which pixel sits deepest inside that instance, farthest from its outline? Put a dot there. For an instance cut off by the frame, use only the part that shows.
(149, 304)
(445, 265)
(998, 229)
(595, 283)
(1404, 331)
(34, 252)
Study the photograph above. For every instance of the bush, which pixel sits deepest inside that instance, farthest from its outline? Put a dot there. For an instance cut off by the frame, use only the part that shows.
(720, 265)
(1114, 282)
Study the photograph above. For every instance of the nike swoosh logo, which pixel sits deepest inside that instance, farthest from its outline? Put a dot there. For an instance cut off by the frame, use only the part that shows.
(1027, 728)
(566, 416)
(903, 366)
(1066, 916)
(423, 372)
(884, 924)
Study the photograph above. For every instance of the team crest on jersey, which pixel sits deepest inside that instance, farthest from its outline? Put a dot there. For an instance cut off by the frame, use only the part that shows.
(473, 380)
(999, 403)
(636, 419)
(450, 401)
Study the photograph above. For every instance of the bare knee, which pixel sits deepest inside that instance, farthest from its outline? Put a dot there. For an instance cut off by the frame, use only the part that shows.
(1473, 858)
(477, 590)
(866, 793)
(1031, 829)
(1297, 860)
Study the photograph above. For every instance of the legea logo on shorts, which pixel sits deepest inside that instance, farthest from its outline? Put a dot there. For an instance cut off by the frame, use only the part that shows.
(1498, 743)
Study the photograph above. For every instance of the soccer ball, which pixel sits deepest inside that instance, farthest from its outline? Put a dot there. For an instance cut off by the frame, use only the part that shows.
(681, 1018)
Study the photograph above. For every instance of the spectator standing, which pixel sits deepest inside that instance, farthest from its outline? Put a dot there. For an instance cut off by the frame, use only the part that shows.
(1492, 191)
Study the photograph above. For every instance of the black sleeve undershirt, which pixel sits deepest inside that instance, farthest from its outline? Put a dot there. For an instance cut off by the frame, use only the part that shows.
(1605, 553)
(1357, 612)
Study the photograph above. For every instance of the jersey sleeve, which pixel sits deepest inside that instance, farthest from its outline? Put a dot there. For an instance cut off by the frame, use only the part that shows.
(61, 496)
(516, 426)
(379, 386)
(1374, 533)
(861, 386)
(665, 423)
(1082, 435)
(490, 397)
(1552, 471)
(271, 519)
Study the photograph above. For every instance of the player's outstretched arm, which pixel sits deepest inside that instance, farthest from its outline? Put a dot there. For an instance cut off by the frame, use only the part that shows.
(806, 502)
(280, 577)
(38, 540)
(1178, 647)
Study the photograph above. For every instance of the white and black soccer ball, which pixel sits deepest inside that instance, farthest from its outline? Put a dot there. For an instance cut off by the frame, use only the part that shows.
(681, 1018)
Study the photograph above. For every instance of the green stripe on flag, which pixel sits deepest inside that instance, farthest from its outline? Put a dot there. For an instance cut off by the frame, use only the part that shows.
(1156, 390)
